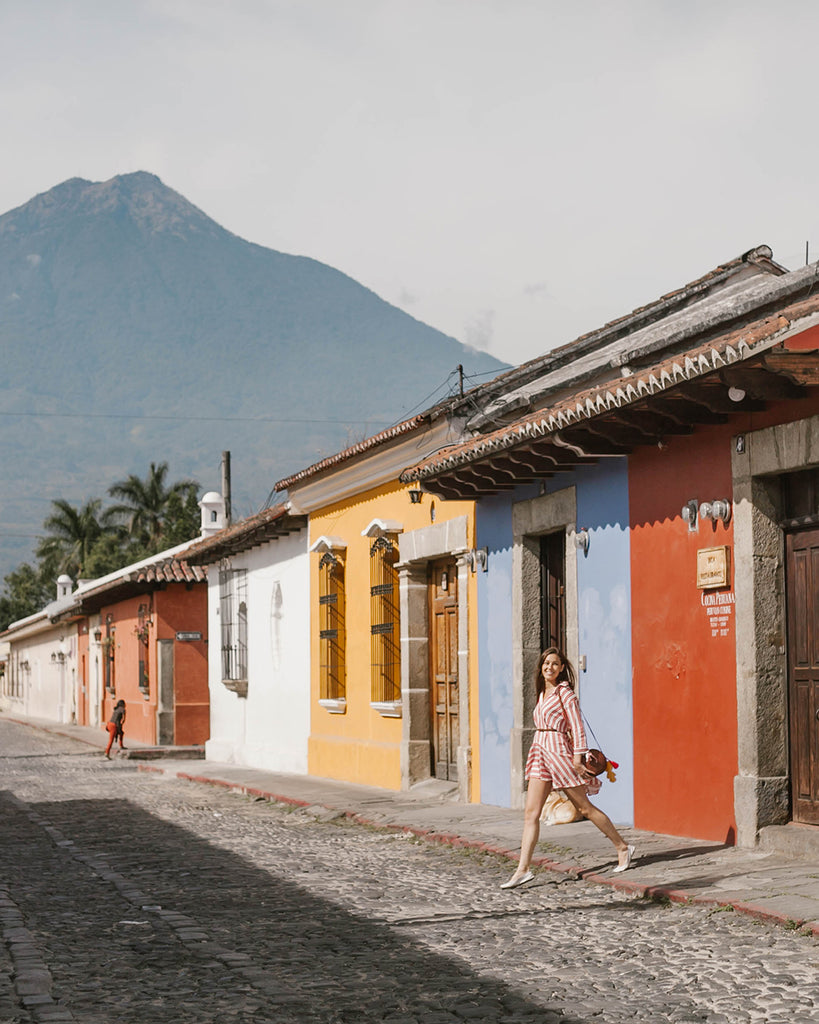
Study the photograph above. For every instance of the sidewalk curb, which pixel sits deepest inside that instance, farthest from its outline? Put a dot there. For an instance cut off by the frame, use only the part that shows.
(640, 890)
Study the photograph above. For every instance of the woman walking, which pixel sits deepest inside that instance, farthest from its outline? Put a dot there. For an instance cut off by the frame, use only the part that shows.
(556, 762)
(115, 728)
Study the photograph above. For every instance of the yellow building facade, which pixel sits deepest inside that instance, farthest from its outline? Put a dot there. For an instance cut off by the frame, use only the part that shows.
(393, 591)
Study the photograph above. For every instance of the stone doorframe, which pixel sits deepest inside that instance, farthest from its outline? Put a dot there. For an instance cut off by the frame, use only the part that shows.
(762, 785)
(417, 548)
(530, 520)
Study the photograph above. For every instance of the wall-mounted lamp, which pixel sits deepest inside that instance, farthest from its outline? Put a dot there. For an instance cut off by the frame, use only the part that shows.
(736, 394)
(581, 539)
(416, 494)
(478, 559)
(719, 508)
(57, 656)
(98, 633)
(689, 513)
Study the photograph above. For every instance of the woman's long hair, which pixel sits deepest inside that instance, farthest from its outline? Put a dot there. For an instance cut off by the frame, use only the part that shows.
(566, 673)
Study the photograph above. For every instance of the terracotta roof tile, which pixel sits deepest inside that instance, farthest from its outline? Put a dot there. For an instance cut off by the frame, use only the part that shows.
(733, 347)
(406, 427)
(248, 533)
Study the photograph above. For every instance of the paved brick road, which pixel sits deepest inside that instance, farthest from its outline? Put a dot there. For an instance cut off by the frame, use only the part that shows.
(136, 898)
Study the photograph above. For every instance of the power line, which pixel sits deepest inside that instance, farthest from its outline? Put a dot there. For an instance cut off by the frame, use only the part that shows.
(205, 419)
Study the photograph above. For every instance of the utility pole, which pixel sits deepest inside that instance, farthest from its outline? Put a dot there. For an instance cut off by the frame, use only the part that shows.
(461, 379)
(226, 486)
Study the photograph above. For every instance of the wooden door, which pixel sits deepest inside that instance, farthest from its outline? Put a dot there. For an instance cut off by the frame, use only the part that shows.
(444, 696)
(803, 672)
(552, 591)
(82, 716)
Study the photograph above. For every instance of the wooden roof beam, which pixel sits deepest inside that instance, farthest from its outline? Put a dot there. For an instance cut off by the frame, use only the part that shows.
(482, 476)
(802, 368)
(760, 383)
(713, 394)
(449, 489)
(599, 438)
(654, 423)
(687, 410)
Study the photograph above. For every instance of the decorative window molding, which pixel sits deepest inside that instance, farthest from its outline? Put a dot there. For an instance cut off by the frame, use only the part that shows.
(388, 708)
(385, 633)
(332, 632)
(335, 707)
(324, 544)
(382, 528)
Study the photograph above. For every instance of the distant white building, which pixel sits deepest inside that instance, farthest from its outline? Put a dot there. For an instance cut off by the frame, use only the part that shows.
(259, 625)
(40, 678)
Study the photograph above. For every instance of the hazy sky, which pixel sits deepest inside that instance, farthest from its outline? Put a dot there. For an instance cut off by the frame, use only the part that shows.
(513, 172)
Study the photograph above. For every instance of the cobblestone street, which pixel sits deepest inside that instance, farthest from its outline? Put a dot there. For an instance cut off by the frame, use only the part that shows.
(132, 897)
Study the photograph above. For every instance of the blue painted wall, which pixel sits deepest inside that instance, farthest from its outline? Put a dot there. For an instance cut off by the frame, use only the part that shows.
(494, 531)
(604, 630)
(604, 621)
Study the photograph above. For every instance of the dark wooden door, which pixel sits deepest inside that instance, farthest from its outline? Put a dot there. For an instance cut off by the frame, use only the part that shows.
(552, 591)
(444, 696)
(82, 711)
(803, 672)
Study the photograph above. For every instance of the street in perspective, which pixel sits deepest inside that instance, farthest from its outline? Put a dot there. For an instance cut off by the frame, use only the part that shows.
(135, 896)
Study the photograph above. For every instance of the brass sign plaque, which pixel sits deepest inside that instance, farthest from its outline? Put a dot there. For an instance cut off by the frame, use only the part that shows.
(713, 568)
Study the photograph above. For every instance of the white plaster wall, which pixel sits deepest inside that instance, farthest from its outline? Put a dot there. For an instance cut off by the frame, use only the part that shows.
(269, 728)
(49, 688)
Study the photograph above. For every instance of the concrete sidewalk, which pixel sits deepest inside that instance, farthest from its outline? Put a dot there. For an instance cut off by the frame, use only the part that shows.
(767, 885)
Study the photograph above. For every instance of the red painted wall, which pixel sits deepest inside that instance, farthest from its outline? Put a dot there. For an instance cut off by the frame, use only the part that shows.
(175, 609)
(684, 683)
(140, 721)
(684, 657)
(83, 674)
(183, 610)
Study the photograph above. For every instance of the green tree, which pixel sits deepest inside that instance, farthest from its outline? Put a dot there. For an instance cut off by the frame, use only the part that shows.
(144, 503)
(112, 552)
(182, 518)
(26, 592)
(71, 535)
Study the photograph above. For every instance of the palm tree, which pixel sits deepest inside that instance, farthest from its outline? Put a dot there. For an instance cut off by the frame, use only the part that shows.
(72, 533)
(144, 502)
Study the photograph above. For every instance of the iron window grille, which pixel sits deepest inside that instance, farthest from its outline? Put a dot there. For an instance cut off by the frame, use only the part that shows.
(233, 618)
(332, 633)
(385, 652)
(143, 622)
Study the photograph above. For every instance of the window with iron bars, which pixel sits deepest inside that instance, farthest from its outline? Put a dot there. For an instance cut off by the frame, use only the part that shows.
(332, 633)
(385, 652)
(233, 616)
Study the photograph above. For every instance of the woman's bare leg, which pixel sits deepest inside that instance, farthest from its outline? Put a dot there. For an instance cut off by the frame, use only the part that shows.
(580, 798)
(536, 795)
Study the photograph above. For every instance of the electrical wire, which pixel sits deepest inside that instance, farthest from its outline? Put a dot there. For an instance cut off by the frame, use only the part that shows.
(204, 419)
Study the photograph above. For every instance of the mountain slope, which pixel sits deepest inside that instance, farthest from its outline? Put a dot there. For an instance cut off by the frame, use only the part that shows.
(135, 328)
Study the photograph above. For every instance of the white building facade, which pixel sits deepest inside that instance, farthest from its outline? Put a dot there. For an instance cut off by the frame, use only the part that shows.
(258, 657)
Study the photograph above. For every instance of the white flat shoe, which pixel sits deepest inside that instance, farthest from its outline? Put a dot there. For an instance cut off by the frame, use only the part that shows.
(629, 858)
(513, 883)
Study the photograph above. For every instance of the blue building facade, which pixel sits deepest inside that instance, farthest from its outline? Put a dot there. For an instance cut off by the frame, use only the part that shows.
(593, 499)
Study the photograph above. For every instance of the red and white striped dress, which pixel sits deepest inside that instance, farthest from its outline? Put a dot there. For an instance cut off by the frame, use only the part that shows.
(550, 756)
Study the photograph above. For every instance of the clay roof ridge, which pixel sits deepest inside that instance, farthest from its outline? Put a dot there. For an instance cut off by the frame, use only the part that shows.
(246, 533)
(733, 347)
(384, 436)
(760, 258)
(711, 312)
